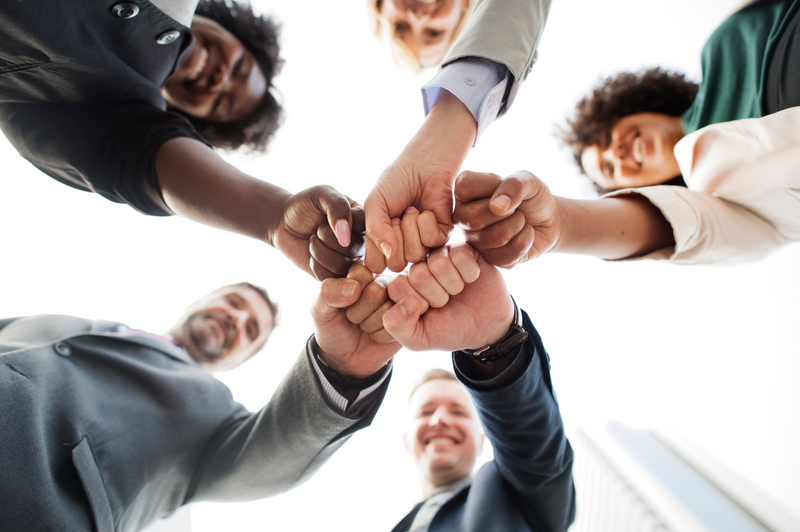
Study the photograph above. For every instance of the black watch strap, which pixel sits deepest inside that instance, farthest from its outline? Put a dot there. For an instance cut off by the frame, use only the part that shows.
(509, 344)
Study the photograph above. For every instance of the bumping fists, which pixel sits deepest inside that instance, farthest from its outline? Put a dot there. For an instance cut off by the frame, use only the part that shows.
(509, 221)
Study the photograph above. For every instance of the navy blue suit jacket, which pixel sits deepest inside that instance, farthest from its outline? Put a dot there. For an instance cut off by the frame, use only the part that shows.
(528, 486)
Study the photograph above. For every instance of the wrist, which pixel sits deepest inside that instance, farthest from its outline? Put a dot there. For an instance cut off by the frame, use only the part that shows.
(274, 215)
(492, 359)
(562, 218)
(339, 367)
(446, 136)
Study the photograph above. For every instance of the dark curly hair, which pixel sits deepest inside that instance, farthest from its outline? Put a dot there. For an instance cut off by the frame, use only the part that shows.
(259, 34)
(647, 91)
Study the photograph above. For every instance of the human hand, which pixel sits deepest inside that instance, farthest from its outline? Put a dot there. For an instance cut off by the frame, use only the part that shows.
(328, 257)
(481, 314)
(344, 345)
(309, 219)
(422, 176)
(511, 220)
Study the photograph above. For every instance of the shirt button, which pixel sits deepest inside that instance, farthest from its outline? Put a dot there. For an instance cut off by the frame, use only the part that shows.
(489, 100)
(125, 10)
(168, 37)
(63, 349)
(469, 81)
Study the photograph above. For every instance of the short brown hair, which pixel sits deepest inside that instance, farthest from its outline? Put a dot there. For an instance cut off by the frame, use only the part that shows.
(654, 90)
(432, 375)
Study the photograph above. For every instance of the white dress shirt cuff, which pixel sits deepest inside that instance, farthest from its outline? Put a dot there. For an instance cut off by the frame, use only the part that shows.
(334, 398)
(480, 84)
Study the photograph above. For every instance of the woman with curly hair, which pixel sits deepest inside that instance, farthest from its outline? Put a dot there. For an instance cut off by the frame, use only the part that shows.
(127, 99)
(734, 139)
(623, 134)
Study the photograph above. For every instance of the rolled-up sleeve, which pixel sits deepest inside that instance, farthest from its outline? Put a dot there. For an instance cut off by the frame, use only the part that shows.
(708, 229)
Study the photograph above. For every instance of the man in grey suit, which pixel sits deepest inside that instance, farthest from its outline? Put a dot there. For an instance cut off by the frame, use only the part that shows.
(108, 428)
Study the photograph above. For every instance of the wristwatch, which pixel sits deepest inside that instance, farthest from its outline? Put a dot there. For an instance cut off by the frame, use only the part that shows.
(516, 336)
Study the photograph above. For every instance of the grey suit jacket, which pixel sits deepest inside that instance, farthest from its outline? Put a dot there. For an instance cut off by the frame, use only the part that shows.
(110, 431)
(506, 32)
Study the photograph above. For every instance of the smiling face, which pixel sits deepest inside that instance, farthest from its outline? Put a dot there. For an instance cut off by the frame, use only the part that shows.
(426, 27)
(224, 328)
(445, 435)
(638, 152)
(220, 80)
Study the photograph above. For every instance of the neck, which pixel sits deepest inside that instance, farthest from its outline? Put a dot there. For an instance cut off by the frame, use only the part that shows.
(432, 482)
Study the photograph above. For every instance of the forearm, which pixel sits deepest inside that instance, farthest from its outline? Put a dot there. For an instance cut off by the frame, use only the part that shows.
(279, 447)
(446, 136)
(198, 184)
(521, 417)
(611, 228)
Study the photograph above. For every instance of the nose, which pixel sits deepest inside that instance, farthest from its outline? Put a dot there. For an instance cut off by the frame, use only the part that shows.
(439, 418)
(221, 79)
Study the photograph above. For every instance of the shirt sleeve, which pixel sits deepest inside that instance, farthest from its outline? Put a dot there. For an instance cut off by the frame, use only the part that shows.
(708, 229)
(107, 149)
(337, 402)
(480, 84)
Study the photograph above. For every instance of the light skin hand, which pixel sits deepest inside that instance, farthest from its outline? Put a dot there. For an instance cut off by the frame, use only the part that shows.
(481, 314)
(368, 311)
(343, 345)
(509, 220)
(198, 184)
(516, 219)
(422, 176)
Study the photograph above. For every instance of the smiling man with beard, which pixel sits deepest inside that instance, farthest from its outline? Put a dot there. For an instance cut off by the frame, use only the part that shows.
(110, 428)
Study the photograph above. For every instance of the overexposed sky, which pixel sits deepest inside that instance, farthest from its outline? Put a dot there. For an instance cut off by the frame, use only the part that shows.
(706, 352)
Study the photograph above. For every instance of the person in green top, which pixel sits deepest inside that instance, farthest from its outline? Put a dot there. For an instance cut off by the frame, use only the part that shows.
(736, 137)
(624, 132)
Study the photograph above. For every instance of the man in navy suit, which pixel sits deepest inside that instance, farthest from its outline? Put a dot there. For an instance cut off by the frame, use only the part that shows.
(505, 385)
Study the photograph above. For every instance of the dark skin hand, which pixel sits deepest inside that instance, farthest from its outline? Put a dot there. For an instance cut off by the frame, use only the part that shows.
(198, 184)
(331, 259)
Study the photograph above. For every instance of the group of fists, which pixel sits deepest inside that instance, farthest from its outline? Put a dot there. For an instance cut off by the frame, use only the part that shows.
(452, 299)
(507, 220)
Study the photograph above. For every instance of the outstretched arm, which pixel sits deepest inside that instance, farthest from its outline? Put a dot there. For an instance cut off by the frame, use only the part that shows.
(422, 176)
(198, 184)
(514, 395)
(517, 219)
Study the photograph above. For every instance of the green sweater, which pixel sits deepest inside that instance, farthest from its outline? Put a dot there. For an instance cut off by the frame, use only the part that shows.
(734, 62)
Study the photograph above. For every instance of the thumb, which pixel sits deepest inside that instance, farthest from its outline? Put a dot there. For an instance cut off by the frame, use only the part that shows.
(512, 191)
(380, 233)
(337, 207)
(403, 323)
(335, 294)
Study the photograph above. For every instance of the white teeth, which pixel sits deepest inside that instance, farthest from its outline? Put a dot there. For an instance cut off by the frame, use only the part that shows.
(427, 1)
(437, 441)
(637, 150)
(198, 67)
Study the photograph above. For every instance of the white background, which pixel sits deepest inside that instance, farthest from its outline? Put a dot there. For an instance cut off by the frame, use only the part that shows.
(710, 353)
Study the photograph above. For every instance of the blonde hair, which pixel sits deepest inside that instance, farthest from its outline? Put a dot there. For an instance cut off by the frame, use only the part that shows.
(383, 30)
(432, 375)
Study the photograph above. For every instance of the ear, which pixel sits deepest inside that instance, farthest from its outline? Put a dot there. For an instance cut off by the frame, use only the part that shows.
(479, 444)
(407, 441)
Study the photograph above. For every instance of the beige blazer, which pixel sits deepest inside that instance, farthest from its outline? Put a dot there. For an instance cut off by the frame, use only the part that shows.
(506, 32)
(743, 199)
